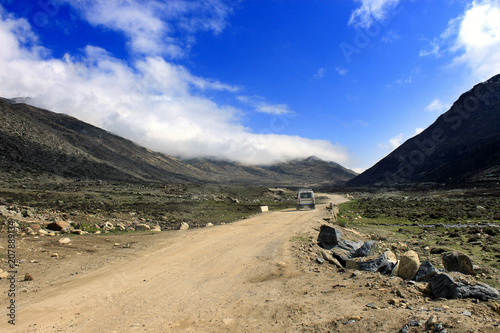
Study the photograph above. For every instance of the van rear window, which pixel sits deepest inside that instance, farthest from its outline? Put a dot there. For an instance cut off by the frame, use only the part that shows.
(305, 195)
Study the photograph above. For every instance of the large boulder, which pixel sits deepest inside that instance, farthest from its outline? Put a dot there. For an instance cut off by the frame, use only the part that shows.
(329, 237)
(184, 226)
(408, 265)
(454, 285)
(457, 262)
(59, 226)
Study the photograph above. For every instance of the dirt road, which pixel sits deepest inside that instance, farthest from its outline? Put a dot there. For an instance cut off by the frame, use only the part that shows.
(256, 275)
(224, 278)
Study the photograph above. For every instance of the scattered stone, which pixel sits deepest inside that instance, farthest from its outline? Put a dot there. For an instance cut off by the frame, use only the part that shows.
(77, 231)
(42, 232)
(4, 211)
(55, 255)
(466, 313)
(121, 227)
(59, 226)
(34, 261)
(438, 328)
(209, 224)
(184, 226)
(408, 265)
(329, 237)
(28, 277)
(116, 244)
(405, 329)
(431, 322)
(444, 286)
(142, 227)
(414, 323)
(27, 213)
(108, 226)
(30, 231)
(3, 275)
(320, 260)
(371, 306)
(156, 228)
(35, 227)
(64, 241)
(495, 306)
(457, 262)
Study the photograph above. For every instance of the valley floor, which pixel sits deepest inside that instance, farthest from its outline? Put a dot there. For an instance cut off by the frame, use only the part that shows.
(254, 275)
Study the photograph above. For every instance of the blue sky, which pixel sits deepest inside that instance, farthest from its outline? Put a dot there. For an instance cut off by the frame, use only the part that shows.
(257, 81)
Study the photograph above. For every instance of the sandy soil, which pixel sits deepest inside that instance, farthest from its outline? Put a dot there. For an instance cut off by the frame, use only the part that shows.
(255, 275)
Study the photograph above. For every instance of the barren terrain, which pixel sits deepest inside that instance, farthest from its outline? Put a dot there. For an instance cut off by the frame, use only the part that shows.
(255, 275)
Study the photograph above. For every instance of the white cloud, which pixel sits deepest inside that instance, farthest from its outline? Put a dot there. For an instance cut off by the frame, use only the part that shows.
(320, 74)
(391, 37)
(437, 106)
(473, 39)
(479, 39)
(419, 130)
(153, 102)
(156, 27)
(260, 105)
(392, 143)
(371, 11)
(342, 70)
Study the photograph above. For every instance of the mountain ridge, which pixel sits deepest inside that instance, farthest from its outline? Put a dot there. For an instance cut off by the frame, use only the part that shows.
(38, 141)
(460, 148)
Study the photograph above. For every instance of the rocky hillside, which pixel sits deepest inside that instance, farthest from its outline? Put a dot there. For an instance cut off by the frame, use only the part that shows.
(314, 169)
(461, 148)
(35, 142)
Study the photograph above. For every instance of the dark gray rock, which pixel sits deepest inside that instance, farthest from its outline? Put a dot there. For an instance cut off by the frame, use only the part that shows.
(457, 262)
(366, 250)
(369, 264)
(426, 271)
(386, 267)
(329, 237)
(444, 286)
(349, 246)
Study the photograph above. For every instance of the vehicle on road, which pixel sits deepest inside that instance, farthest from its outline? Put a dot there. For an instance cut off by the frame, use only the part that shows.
(305, 197)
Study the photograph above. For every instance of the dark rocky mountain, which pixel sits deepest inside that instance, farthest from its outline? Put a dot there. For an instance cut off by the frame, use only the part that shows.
(314, 169)
(461, 148)
(34, 141)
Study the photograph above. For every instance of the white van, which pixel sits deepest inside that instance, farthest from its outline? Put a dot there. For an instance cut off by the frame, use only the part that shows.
(305, 197)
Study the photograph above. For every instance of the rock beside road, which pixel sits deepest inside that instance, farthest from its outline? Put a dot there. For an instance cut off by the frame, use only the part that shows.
(457, 262)
(456, 285)
(409, 263)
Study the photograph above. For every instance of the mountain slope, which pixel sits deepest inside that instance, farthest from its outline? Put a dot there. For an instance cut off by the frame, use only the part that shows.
(462, 147)
(36, 141)
(315, 170)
